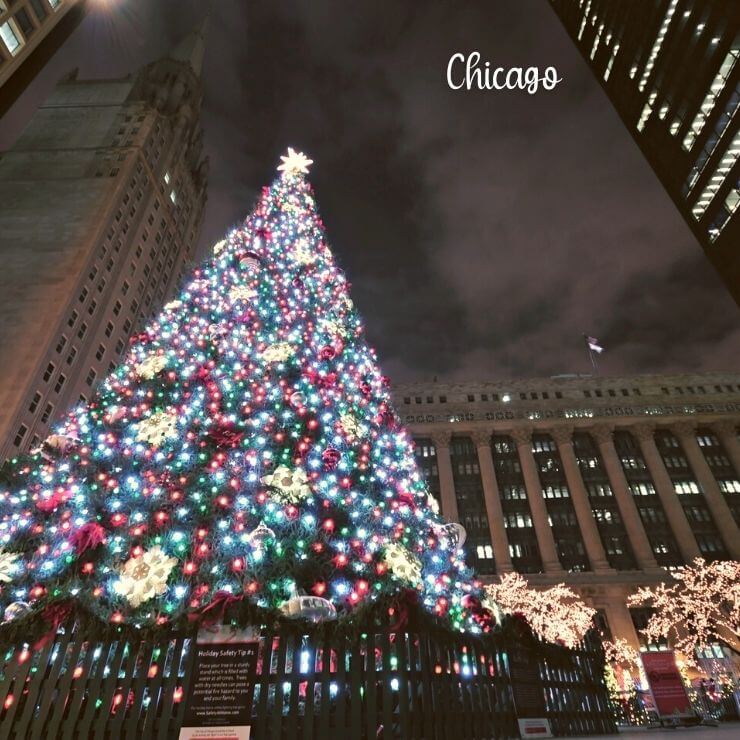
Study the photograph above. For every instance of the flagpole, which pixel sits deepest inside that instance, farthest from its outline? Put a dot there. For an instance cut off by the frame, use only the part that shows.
(590, 354)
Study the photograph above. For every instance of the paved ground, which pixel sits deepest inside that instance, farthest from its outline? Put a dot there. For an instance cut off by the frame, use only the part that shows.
(725, 731)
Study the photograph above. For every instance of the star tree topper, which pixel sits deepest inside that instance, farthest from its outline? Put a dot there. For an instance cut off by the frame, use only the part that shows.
(294, 162)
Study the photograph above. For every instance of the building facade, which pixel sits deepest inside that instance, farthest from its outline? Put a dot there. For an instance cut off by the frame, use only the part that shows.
(30, 32)
(601, 483)
(103, 196)
(670, 68)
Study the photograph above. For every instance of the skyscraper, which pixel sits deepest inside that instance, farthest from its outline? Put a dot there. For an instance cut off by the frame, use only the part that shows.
(30, 32)
(103, 197)
(670, 67)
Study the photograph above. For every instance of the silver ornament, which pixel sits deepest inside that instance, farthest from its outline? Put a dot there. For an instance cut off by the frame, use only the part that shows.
(312, 608)
(298, 399)
(16, 610)
(455, 534)
(259, 537)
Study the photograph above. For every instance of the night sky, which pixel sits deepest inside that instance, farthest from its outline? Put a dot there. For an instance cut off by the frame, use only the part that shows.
(483, 232)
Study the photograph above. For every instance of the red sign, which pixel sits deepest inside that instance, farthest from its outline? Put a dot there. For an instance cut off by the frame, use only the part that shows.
(666, 685)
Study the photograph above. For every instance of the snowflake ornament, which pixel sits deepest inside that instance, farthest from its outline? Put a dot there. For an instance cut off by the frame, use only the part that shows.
(173, 305)
(7, 565)
(402, 563)
(333, 327)
(303, 254)
(294, 163)
(242, 293)
(352, 427)
(151, 366)
(157, 428)
(279, 352)
(433, 504)
(219, 246)
(144, 577)
(289, 485)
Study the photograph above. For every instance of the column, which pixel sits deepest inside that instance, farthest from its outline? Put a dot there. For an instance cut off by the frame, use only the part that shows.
(668, 497)
(725, 431)
(545, 540)
(686, 432)
(620, 620)
(441, 442)
(482, 440)
(626, 503)
(563, 436)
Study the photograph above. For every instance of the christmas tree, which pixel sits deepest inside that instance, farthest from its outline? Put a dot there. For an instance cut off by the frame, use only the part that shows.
(245, 453)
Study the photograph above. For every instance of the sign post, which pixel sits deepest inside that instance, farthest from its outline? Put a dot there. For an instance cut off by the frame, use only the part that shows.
(529, 694)
(666, 686)
(219, 702)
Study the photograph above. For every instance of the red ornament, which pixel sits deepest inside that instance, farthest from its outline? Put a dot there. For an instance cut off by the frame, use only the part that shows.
(226, 437)
(327, 353)
(331, 457)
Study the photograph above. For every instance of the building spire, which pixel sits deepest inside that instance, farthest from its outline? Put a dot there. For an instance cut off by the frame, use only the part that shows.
(192, 48)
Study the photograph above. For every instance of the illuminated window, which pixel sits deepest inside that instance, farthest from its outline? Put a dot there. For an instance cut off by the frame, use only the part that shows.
(11, 36)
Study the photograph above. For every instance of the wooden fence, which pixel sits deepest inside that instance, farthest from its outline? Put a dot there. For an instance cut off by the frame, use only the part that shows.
(410, 685)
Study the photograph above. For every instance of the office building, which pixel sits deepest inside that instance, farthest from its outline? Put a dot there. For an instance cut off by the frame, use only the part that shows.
(103, 197)
(670, 68)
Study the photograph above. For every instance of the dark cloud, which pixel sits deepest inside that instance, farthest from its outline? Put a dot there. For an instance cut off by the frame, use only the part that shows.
(483, 232)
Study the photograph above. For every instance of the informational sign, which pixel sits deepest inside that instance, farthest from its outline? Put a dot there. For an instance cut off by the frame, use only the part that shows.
(526, 683)
(219, 703)
(534, 727)
(666, 686)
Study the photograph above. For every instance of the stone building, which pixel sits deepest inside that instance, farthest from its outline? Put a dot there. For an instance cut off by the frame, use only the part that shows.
(30, 32)
(103, 196)
(601, 483)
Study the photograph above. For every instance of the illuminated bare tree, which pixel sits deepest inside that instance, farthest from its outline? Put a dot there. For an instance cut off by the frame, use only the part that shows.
(699, 606)
(557, 613)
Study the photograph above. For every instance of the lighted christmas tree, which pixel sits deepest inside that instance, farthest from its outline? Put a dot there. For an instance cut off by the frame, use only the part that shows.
(245, 451)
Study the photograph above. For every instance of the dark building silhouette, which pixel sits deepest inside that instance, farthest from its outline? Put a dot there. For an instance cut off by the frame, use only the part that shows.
(30, 33)
(670, 67)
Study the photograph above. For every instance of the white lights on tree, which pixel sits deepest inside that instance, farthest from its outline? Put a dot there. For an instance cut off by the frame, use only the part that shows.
(699, 606)
(557, 613)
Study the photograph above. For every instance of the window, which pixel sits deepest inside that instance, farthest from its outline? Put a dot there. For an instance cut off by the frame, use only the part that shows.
(22, 431)
(117, 308)
(60, 383)
(60, 344)
(109, 329)
(90, 379)
(71, 356)
(47, 413)
(11, 37)
(48, 372)
(35, 402)
(83, 295)
(558, 394)
(443, 399)
(471, 398)
(127, 326)
(39, 9)
(83, 330)
(101, 351)
(484, 552)
(91, 308)
(125, 287)
(72, 318)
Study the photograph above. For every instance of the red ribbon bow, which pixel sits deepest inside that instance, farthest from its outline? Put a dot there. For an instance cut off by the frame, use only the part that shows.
(88, 536)
(214, 612)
